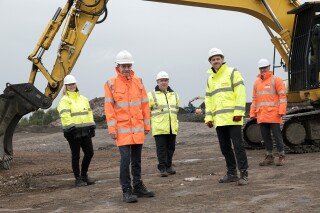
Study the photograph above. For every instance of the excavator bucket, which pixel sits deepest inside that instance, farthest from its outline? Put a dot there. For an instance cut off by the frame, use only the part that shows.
(16, 101)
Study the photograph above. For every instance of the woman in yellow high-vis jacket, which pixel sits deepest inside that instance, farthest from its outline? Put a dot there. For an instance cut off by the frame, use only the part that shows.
(78, 128)
(225, 107)
(164, 105)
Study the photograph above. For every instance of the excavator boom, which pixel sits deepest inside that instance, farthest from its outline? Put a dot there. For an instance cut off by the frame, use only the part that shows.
(80, 17)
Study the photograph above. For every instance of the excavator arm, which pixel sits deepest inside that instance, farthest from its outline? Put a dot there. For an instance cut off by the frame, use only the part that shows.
(272, 13)
(80, 17)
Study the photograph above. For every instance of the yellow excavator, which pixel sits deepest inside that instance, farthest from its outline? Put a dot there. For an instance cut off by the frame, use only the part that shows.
(294, 30)
(297, 27)
(17, 100)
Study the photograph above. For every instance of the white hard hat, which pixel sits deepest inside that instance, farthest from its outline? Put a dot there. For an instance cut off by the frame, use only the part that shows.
(124, 57)
(162, 74)
(263, 63)
(215, 51)
(70, 79)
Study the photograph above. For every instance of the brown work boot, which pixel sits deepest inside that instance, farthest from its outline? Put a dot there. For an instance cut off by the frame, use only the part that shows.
(269, 160)
(281, 160)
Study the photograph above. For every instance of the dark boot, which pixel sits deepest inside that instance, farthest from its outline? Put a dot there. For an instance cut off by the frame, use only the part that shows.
(171, 170)
(281, 161)
(141, 191)
(268, 160)
(128, 197)
(231, 176)
(87, 179)
(243, 178)
(79, 182)
(163, 173)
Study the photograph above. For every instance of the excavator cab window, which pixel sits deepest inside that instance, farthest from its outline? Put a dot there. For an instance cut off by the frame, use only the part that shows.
(304, 64)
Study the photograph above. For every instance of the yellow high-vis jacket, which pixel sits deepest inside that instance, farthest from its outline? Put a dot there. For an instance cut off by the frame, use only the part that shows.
(225, 96)
(164, 111)
(74, 110)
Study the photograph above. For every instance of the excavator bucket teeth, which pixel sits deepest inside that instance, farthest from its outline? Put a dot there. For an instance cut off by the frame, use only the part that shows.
(16, 101)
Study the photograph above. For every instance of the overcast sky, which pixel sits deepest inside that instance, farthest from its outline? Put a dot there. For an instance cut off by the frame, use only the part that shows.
(160, 36)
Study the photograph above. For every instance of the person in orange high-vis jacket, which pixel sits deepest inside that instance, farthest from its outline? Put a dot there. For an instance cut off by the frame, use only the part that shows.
(269, 104)
(128, 118)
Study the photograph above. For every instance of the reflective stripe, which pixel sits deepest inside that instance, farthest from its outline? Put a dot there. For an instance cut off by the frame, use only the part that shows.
(107, 100)
(109, 82)
(147, 122)
(79, 113)
(222, 111)
(65, 110)
(79, 125)
(240, 108)
(253, 105)
(238, 83)
(138, 129)
(129, 130)
(174, 106)
(219, 90)
(209, 113)
(144, 99)
(268, 104)
(112, 123)
(135, 103)
(283, 100)
(159, 113)
(282, 92)
(154, 98)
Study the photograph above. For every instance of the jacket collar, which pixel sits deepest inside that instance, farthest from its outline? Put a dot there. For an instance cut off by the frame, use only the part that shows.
(223, 67)
(267, 75)
(73, 94)
(122, 77)
(157, 89)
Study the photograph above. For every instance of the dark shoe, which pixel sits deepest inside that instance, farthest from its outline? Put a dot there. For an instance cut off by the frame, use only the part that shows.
(128, 197)
(171, 171)
(87, 179)
(281, 160)
(229, 177)
(243, 178)
(141, 191)
(268, 160)
(79, 182)
(163, 173)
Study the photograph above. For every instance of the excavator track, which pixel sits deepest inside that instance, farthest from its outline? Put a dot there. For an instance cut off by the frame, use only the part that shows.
(299, 132)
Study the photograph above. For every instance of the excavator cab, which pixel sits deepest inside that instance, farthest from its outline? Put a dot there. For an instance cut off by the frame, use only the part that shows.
(304, 58)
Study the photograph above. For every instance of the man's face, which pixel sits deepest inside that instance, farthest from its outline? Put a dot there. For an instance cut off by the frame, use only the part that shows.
(163, 84)
(125, 69)
(216, 61)
(264, 69)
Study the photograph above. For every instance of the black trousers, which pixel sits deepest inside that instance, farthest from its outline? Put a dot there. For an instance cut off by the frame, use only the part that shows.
(237, 155)
(166, 145)
(130, 153)
(75, 144)
(266, 129)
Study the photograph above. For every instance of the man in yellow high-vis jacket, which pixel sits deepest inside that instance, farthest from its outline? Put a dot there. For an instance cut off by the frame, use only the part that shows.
(225, 107)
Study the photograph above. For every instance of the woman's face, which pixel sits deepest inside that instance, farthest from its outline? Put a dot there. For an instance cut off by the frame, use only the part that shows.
(71, 87)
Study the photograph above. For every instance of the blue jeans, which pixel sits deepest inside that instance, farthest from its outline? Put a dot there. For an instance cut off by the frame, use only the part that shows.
(130, 153)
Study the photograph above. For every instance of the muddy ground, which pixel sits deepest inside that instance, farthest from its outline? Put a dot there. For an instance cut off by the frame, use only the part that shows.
(40, 179)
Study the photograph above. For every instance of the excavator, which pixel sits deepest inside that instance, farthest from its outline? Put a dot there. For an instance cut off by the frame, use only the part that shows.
(294, 30)
(297, 36)
(17, 100)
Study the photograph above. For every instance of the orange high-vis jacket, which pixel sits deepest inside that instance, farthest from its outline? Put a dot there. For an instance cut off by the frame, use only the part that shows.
(127, 109)
(269, 99)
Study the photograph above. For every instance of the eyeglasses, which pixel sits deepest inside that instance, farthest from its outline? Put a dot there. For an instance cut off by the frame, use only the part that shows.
(126, 65)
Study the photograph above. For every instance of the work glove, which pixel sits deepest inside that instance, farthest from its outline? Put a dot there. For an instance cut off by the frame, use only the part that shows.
(237, 118)
(209, 124)
(92, 131)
